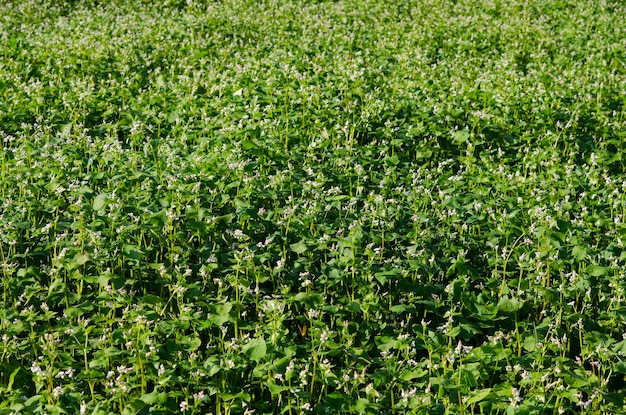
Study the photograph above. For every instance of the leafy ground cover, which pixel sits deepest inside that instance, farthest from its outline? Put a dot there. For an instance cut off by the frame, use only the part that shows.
(300, 207)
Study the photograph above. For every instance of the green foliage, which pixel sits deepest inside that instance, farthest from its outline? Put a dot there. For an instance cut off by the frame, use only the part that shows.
(293, 207)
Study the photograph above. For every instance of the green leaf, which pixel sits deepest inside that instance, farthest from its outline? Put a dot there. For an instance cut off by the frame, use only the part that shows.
(32, 400)
(337, 400)
(223, 309)
(276, 389)
(231, 397)
(486, 312)
(619, 347)
(57, 286)
(469, 330)
(620, 367)
(73, 312)
(509, 305)
(478, 396)
(240, 203)
(12, 379)
(16, 408)
(579, 252)
(151, 299)
(460, 137)
(221, 314)
(386, 342)
(248, 145)
(103, 280)
(413, 375)
(154, 397)
(99, 202)
(191, 343)
(361, 405)
(299, 247)
(225, 218)
(384, 276)
(423, 153)
(82, 259)
(212, 365)
(468, 375)
(97, 363)
(381, 277)
(255, 349)
(112, 351)
(596, 270)
(138, 405)
(354, 307)
(399, 308)
(530, 344)
(576, 380)
(309, 299)
(132, 252)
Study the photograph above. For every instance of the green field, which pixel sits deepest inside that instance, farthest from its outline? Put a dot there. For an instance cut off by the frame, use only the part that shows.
(313, 207)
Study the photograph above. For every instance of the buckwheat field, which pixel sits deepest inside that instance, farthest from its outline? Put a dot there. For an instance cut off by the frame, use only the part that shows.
(312, 207)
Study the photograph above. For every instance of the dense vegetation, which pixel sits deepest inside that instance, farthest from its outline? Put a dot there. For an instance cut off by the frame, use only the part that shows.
(301, 207)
